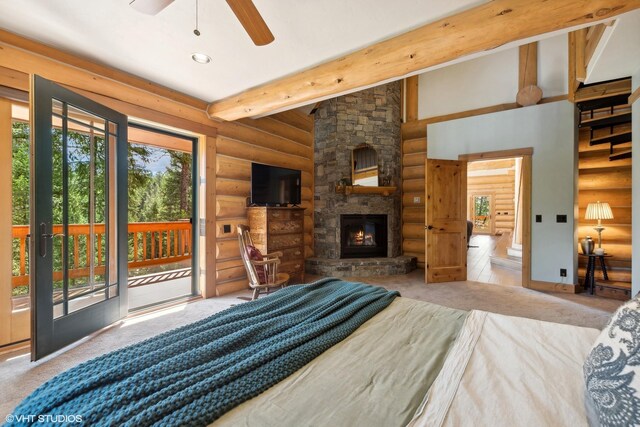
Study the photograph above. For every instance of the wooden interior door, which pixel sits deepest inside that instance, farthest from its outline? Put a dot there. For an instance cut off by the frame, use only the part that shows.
(446, 220)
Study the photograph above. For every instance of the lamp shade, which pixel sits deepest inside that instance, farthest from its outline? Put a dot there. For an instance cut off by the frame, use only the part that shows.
(598, 210)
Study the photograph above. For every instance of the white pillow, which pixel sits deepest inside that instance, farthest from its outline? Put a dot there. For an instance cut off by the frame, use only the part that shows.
(612, 369)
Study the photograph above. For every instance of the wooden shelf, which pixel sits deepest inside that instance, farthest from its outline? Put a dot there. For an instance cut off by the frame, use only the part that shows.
(360, 189)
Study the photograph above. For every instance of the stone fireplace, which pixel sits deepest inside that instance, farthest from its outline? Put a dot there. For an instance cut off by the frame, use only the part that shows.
(369, 118)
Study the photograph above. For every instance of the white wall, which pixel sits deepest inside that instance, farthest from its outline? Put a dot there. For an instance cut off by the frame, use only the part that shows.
(550, 130)
(553, 66)
(490, 80)
(635, 192)
(618, 53)
(480, 82)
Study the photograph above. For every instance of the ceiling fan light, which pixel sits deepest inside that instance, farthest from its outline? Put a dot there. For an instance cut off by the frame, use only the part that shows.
(201, 58)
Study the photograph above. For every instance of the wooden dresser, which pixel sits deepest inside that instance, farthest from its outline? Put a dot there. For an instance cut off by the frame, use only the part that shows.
(280, 229)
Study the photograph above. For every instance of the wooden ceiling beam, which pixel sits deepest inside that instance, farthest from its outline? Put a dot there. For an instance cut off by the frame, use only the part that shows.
(594, 34)
(634, 96)
(528, 91)
(572, 83)
(603, 90)
(581, 47)
(482, 28)
(411, 98)
(528, 65)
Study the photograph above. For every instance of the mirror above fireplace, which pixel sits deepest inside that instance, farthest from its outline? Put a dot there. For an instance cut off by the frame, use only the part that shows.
(364, 166)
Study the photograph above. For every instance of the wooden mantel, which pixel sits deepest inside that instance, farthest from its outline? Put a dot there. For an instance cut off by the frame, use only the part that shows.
(361, 189)
(481, 28)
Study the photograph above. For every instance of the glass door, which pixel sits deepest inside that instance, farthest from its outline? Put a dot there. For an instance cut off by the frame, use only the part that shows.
(78, 219)
(481, 213)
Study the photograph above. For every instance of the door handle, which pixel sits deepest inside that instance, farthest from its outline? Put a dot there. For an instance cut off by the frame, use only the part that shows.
(44, 236)
(43, 239)
(429, 227)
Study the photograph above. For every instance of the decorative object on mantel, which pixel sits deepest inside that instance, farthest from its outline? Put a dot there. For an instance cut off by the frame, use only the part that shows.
(360, 189)
(385, 176)
(587, 245)
(599, 211)
(342, 183)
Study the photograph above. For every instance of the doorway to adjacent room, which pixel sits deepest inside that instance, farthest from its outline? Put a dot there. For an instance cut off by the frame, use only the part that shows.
(494, 217)
(449, 222)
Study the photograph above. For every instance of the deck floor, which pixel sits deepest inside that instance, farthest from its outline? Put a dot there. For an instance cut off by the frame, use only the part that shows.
(139, 296)
(142, 296)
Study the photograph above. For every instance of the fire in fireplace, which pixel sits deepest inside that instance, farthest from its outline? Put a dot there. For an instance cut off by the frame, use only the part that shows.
(363, 236)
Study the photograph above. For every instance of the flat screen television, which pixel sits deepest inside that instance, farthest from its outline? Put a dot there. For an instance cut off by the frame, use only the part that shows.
(272, 186)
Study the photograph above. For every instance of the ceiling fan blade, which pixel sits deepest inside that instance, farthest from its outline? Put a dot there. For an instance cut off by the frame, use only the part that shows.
(252, 21)
(150, 7)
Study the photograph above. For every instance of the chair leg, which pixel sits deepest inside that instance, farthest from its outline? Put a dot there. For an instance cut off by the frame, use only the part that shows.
(256, 292)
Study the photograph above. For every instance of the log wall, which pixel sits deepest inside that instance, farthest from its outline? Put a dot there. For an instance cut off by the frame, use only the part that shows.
(414, 153)
(600, 179)
(500, 186)
(284, 140)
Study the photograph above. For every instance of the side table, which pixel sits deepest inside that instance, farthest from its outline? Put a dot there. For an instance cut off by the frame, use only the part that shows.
(590, 277)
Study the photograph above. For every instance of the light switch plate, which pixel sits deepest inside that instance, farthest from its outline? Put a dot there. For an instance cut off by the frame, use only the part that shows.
(416, 199)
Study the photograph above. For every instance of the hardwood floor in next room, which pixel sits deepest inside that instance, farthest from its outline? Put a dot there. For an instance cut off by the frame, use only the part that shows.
(479, 268)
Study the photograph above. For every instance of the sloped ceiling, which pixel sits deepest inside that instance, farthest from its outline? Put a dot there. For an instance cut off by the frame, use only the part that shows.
(618, 53)
(159, 48)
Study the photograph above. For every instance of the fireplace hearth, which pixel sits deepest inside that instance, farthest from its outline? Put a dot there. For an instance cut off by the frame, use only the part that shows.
(363, 236)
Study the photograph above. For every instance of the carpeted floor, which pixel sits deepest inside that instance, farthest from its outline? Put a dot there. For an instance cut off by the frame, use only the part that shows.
(18, 376)
(572, 309)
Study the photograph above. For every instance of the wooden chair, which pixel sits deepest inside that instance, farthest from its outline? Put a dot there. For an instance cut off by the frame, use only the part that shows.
(270, 264)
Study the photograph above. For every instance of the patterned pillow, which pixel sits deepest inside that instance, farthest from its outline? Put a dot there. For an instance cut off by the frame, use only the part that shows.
(256, 255)
(612, 369)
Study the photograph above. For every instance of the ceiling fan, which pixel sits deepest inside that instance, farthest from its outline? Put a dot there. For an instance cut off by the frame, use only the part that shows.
(244, 10)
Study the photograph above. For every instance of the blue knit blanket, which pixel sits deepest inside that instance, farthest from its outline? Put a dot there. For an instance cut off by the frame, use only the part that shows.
(194, 374)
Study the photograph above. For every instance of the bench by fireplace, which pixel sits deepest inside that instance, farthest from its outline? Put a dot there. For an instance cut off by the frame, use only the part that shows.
(363, 236)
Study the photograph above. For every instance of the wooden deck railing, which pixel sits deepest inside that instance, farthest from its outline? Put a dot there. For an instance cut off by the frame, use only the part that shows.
(150, 243)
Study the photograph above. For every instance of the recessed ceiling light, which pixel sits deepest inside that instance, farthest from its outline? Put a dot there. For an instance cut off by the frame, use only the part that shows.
(201, 58)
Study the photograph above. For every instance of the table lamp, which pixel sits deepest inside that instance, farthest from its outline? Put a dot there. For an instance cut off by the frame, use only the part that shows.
(599, 211)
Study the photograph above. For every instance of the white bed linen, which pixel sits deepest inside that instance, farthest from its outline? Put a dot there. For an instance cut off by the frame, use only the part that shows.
(510, 371)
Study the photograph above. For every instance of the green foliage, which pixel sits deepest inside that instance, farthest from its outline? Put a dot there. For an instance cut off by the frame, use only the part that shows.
(156, 193)
(165, 195)
(161, 196)
(20, 168)
(481, 205)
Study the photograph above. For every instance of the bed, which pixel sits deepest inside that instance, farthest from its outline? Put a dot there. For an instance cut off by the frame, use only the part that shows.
(506, 371)
(404, 362)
